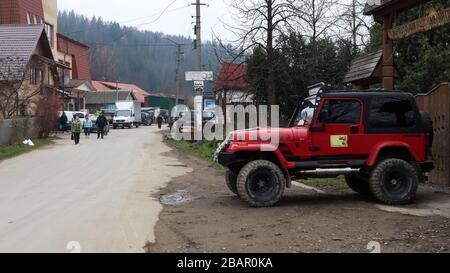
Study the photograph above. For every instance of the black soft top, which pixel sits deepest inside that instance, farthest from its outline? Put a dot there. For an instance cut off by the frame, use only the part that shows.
(365, 94)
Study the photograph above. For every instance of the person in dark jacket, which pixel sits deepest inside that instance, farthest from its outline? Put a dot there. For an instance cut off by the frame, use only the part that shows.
(63, 122)
(160, 121)
(101, 123)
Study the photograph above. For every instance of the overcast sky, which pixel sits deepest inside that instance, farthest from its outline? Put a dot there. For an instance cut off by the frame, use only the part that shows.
(144, 14)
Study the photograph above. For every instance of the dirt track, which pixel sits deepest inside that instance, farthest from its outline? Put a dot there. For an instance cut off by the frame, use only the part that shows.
(97, 194)
(213, 220)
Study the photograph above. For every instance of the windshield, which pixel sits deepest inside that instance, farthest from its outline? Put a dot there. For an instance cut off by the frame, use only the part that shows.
(123, 113)
(306, 113)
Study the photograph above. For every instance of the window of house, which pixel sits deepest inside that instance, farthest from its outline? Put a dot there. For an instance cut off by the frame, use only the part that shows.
(41, 76)
(340, 112)
(49, 32)
(28, 18)
(391, 113)
(35, 21)
(33, 75)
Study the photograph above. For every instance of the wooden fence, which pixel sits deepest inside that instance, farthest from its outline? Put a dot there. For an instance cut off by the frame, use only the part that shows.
(437, 104)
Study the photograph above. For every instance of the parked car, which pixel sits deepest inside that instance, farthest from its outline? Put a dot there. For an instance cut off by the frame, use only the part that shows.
(379, 140)
(71, 115)
(147, 119)
(94, 126)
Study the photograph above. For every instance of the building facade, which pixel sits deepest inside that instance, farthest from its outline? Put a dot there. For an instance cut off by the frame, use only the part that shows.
(67, 51)
(140, 94)
(27, 69)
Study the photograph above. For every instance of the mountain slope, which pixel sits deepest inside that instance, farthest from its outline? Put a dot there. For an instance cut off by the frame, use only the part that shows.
(126, 54)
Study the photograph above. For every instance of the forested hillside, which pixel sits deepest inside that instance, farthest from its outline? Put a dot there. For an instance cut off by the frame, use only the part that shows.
(126, 54)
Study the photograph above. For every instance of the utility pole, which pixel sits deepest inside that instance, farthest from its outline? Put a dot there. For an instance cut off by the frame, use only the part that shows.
(198, 35)
(178, 78)
(179, 60)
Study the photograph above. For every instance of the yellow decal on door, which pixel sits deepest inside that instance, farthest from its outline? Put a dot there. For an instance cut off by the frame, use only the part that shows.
(339, 141)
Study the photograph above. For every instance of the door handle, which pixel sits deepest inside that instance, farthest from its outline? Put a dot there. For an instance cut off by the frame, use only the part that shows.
(354, 129)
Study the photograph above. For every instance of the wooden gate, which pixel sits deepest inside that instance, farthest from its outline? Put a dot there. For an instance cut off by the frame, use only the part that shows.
(437, 104)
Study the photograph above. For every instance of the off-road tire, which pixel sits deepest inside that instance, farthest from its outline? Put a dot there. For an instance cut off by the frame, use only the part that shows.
(231, 180)
(249, 182)
(358, 184)
(394, 182)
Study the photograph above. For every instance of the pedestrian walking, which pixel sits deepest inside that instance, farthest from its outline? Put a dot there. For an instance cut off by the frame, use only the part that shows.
(63, 122)
(160, 121)
(101, 123)
(76, 130)
(87, 125)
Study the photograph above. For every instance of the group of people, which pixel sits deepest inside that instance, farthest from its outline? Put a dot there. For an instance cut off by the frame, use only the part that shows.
(85, 124)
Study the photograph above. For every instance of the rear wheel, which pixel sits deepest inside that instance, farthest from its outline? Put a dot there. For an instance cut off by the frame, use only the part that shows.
(261, 183)
(358, 184)
(231, 180)
(394, 182)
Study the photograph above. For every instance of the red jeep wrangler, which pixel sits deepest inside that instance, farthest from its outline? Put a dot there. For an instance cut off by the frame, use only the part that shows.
(379, 140)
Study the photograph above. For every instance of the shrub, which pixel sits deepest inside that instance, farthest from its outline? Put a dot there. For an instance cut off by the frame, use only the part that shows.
(47, 108)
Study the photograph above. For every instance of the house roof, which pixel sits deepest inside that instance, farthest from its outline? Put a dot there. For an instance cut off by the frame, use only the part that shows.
(73, 84)
(232, 77)
(363, 67)
(366, 70)
(62, 36)
(18, 44)
(109, 96)
(139, 93)
(373, 7)
(163, 95)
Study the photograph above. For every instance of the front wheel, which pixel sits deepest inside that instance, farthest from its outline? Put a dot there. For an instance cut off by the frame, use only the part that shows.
(261, 183)
(231, 180)
(358, 184)
(394, 182)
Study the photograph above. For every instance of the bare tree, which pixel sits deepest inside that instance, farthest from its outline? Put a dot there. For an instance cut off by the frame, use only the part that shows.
(262, 23)
(355, 24)
(16, 92)
(317, 19)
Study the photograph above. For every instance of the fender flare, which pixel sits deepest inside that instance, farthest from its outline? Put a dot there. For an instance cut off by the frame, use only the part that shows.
(372, 160)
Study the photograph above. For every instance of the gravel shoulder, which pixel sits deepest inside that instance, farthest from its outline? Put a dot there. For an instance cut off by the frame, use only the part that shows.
(201, 215)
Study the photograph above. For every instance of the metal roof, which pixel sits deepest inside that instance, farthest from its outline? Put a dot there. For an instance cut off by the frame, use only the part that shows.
(102, 97)
(17, 45)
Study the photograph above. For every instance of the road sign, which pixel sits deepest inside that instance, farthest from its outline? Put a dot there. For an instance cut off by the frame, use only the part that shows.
(199, 84)
(199, 76)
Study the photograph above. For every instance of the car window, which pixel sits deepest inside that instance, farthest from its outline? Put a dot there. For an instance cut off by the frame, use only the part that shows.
(391, 113)
(340, 112)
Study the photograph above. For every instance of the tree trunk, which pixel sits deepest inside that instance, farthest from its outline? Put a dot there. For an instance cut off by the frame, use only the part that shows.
(271, 89)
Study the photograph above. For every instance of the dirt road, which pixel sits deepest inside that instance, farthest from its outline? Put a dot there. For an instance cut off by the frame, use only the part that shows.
(202, 216)
(97, 195)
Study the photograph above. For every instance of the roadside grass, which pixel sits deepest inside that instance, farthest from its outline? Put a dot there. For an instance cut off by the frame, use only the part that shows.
(205, 149)
(18, 149)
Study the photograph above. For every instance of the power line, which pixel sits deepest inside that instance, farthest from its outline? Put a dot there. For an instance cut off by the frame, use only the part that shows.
(160, 14)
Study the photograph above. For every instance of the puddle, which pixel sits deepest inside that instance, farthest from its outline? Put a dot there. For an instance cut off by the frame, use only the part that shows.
(178, 198)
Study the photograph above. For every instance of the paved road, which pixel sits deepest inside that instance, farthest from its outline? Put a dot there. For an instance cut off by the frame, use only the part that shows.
(99, 194)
